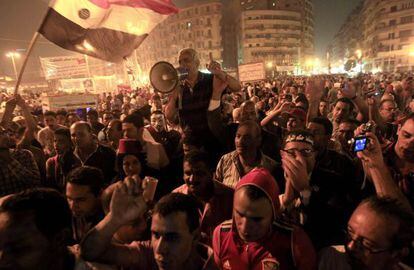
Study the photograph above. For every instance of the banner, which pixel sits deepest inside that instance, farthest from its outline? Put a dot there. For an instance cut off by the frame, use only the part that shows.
(69, 102)
(64, 67)
(252, 72)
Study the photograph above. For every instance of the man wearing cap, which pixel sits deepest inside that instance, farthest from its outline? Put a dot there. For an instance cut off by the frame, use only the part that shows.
(315, 197)
(254, 238)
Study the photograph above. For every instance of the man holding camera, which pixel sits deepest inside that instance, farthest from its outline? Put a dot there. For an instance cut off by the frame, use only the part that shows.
(399, 157)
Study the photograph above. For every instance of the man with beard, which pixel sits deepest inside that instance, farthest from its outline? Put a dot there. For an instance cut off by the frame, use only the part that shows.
(216, 197)
(379, 234)
(341, 111)
(45, 135)
(344, 134)
(400, 157)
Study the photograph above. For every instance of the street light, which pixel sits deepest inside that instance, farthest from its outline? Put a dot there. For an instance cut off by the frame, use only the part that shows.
(12, 55)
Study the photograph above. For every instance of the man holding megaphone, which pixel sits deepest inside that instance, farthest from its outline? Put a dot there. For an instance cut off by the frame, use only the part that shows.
(193, 97)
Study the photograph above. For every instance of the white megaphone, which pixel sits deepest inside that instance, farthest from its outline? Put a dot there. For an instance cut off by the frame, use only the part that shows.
(164, 77)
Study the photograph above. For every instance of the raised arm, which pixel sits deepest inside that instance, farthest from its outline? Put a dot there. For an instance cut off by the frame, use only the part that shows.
(127, 205)
(375, 167)
(8, 113)
(314, 92)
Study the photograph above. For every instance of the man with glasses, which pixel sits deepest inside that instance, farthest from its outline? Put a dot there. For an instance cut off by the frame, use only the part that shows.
(379, 234)
(314, 197)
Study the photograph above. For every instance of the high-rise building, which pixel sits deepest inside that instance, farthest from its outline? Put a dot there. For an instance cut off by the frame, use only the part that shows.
(389, 35)
(383, 31)
(279, 33)
(197, 26)
(235, 32)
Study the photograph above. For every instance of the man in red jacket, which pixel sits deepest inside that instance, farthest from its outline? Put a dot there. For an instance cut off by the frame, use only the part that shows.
(254, 239)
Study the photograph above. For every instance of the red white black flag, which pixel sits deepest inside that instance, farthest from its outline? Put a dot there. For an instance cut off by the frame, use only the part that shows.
(105, 29)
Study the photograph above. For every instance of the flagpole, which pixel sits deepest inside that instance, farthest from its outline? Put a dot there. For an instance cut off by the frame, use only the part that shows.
(26, 59)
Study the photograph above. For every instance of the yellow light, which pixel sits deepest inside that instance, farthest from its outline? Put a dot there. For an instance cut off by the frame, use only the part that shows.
(13, 54)
(309, 62)
(269, 64)
(358, 53)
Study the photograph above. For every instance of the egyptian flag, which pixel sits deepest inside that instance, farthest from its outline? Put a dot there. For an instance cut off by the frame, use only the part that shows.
(105, 29)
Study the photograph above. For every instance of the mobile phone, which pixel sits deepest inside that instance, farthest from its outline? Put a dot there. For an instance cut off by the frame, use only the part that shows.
(360, 143)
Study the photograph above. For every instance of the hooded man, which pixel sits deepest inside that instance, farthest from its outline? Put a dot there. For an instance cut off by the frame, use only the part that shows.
(254, 239)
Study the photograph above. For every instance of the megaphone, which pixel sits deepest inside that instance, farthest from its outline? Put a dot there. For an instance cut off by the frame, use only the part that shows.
(164, 77)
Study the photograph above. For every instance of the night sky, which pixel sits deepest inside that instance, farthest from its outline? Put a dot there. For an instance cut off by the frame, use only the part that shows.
(19, 19)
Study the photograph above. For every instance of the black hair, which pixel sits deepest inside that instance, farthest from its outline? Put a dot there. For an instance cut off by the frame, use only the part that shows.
(48, 207)
(392, 209)
(347, 101)
(177, 202)
(62, 112)
(120, 163)
(387, 100)
(63, 132)
(327, 125)
(195, 156)
(409, 116)
(93, 112)
(136, 119)
(50, 113)
(302, 98)
(87, 176)
(118, 124)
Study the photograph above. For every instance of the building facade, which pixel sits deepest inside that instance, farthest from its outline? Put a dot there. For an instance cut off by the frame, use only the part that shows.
(279, 33)
(197, 26)
(235, 32)
(384, 33)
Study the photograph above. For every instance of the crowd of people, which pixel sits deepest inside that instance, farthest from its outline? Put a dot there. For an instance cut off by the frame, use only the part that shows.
(288, 173)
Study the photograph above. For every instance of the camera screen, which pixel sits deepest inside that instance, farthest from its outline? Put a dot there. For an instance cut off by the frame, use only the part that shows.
(360, 144)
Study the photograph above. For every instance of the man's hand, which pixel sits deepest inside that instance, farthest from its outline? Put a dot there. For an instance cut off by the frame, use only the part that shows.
(314, 89)
(11, 104)
(20, 101)
(372, 155)
(127, 203)
(296, 173)
(219, 85)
